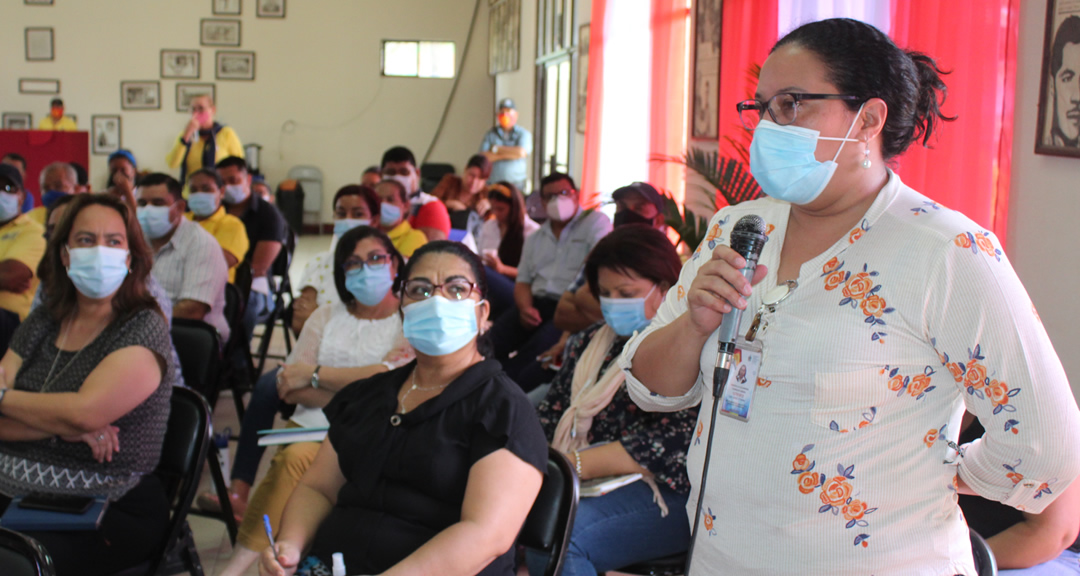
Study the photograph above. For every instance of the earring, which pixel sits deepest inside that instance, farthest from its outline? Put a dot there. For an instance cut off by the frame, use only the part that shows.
(866, 157)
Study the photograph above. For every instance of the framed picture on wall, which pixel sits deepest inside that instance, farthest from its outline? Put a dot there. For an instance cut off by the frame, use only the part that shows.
(39, 44)
(582, 77)
(139, 95)
(1059, 90)
(219, 32)
(180, 64)
(105, 133)
(38, 2)
(38, 86)
(504, 36)
(233, 65)
(226, 7)
(270, 8)
(186, 92)
(705, 93)
(17, 121)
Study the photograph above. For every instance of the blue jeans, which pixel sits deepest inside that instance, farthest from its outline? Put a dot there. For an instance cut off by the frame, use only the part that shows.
(1067, 564)
(621, 528)
(259, 415)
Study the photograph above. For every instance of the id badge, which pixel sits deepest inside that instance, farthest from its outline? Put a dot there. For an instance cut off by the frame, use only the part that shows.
(738, 396)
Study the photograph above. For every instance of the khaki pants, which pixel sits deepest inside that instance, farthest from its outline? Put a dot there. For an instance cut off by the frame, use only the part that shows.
(286, 469)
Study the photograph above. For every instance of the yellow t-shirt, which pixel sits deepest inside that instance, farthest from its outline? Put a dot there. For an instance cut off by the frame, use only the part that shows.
(229, 232)
(65, 124)
(23, 240)
(227, 143)
(38, 215)
(405, 239)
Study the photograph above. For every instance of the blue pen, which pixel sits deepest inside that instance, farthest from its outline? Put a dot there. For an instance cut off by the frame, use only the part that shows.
(269, 532)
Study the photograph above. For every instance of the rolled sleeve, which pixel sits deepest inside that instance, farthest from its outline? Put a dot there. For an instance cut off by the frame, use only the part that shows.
(526, 270)
(205, 271)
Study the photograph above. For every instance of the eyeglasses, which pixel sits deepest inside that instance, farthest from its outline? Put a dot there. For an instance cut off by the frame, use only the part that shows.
(547, 196)
(456, 289)
(783, 108)
(372, 261)
(9, 188)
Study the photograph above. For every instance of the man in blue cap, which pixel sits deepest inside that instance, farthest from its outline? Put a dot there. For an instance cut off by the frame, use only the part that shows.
(123, 170)
(508, 146)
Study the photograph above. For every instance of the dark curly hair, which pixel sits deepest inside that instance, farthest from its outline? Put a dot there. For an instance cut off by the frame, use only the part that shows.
(863, 61)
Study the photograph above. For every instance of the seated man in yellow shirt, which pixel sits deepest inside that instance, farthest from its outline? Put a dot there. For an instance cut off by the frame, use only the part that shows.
(206, 191)
(56, 119)
(204, 142)
(57, 179)
(22, 244)
(393, 208)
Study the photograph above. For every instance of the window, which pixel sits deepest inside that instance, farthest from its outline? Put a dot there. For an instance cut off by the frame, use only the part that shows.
(416, 59)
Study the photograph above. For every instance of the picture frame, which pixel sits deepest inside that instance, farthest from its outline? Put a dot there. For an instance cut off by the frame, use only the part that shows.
(225, 7)
(234, 65)
(219, 32)
(39, 86)
(39, 44)
(705, 91)
(38, 2)
(1058, 131)
(181, 64)
(582, 78)
(504, 36)
(270, 8)
(17, 121)
(140, 95)
(105, 133)
(186, 91)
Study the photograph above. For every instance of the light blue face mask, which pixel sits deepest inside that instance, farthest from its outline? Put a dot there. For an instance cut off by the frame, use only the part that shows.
(235, 193)
(438, 326)
(369, 284)
(389, 214)
(625, 315)
(97, 271)
(783, 163)
(154, 220)
(345, 224)
(202, 204)
(10, 206)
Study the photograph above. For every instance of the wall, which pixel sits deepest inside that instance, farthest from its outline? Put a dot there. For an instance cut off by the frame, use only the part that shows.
(1044, 207)
(520, 85)
(318, 97)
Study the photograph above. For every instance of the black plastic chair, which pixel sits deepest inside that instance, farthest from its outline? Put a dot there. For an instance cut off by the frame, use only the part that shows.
(239, 380)
(280, 288)
(551, 519)
(23, 556)
(431, 173)
(182, 454)
(985, 563)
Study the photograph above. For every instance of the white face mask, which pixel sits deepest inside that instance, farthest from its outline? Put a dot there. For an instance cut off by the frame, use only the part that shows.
(405, 181)
(235, 193)
(561, 208)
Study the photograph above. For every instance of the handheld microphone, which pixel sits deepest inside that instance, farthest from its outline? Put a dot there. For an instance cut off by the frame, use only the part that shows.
(747, 239)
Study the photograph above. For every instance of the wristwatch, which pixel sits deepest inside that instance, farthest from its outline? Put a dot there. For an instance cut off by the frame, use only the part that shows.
(315, 378)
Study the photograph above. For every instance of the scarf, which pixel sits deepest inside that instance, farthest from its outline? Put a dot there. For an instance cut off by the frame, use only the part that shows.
(209, 151)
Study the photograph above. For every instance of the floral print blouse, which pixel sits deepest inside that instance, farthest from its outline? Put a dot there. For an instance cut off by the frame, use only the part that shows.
(657, 441)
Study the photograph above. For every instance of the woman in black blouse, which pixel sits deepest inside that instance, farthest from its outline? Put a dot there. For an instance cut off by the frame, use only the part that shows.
(589, 415)
(427, 469)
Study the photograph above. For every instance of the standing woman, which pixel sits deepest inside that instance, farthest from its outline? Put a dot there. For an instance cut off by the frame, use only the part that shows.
(204, 142)
(899, 314)
(427, 469)
(85, 390)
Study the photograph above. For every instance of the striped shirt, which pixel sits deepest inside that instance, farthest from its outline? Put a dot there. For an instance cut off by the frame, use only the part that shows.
(191, 266)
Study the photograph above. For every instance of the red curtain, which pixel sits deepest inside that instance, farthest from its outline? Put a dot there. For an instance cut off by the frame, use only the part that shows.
(967, 167)
(667, 116)
(594, 95)
(748, 32)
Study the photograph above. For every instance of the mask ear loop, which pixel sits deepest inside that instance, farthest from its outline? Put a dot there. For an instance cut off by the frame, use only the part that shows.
(847, 137)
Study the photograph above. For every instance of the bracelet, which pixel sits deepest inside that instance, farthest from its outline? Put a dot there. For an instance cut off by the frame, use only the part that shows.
(577, 462)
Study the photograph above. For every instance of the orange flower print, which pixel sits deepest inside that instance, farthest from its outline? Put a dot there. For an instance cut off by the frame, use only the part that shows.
(809, 481)
(710, 522)
(1016, 477)
(769, 228)
(681, 292)
(962, 241)
(1043, 488)
(697, 435)
(896, 383)
(836, 491)
(916, 386)
(714, 233)
(864, 424)
(956, 371)
(978, 241)
(801, 462)
(873, 305)
(975, 377)
(763, 383)
(985, 244)
(855, 510)
(831, 265)
(930, 438)
(854, 235)
(998, 392)
(857, 286)
(919, 384)
(835, 280)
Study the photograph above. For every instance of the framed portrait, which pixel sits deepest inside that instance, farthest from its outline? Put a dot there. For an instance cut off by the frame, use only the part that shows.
(226, 7)
(582, 77)
(38, 2)
(180, 64)
(705, 93)
(234, 65)
(18, 121)
(140, 95)
(38, 86)
(270, 8)
(1059, 90)
(504, 36)
(105, 133)
(219, 32)
(39, 44)
(186, 92)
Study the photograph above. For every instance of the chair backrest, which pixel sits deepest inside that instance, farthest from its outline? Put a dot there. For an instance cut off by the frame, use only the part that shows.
(23, 556)
(431, 173)
(311, 178)
(199, 348)
(985, 563)
(548, 526)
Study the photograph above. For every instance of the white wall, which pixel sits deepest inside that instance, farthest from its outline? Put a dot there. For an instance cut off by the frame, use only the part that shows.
(318, 97)
(1044, 207)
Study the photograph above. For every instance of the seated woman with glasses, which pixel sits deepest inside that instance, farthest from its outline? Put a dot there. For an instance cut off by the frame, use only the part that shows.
(430, 468)
(341, 342)
(588, 415)
(85, 388)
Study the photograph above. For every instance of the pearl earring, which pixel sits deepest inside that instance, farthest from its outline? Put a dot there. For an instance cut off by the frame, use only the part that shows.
(866, 157)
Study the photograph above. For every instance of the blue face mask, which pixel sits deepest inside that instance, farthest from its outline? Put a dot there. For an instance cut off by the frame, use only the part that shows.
(51, 196)
(345, 224)
(98, 271)
(389, 214)
(369, 284)
(438, 326)
(10, 206)
(155, 220)
(202, 204)
(625, 315)
(783, 163)
(235, 193)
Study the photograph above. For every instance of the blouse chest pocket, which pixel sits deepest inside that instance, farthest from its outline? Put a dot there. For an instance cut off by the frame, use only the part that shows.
(848, 401)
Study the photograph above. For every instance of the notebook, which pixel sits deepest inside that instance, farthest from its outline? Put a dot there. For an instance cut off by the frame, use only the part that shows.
(600, 486)
(275, 436)
(25, 519)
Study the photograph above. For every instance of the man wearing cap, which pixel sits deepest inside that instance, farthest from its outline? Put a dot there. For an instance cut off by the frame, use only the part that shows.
(22, 244)
(56, 119)
(508, 146)
(123, 170)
